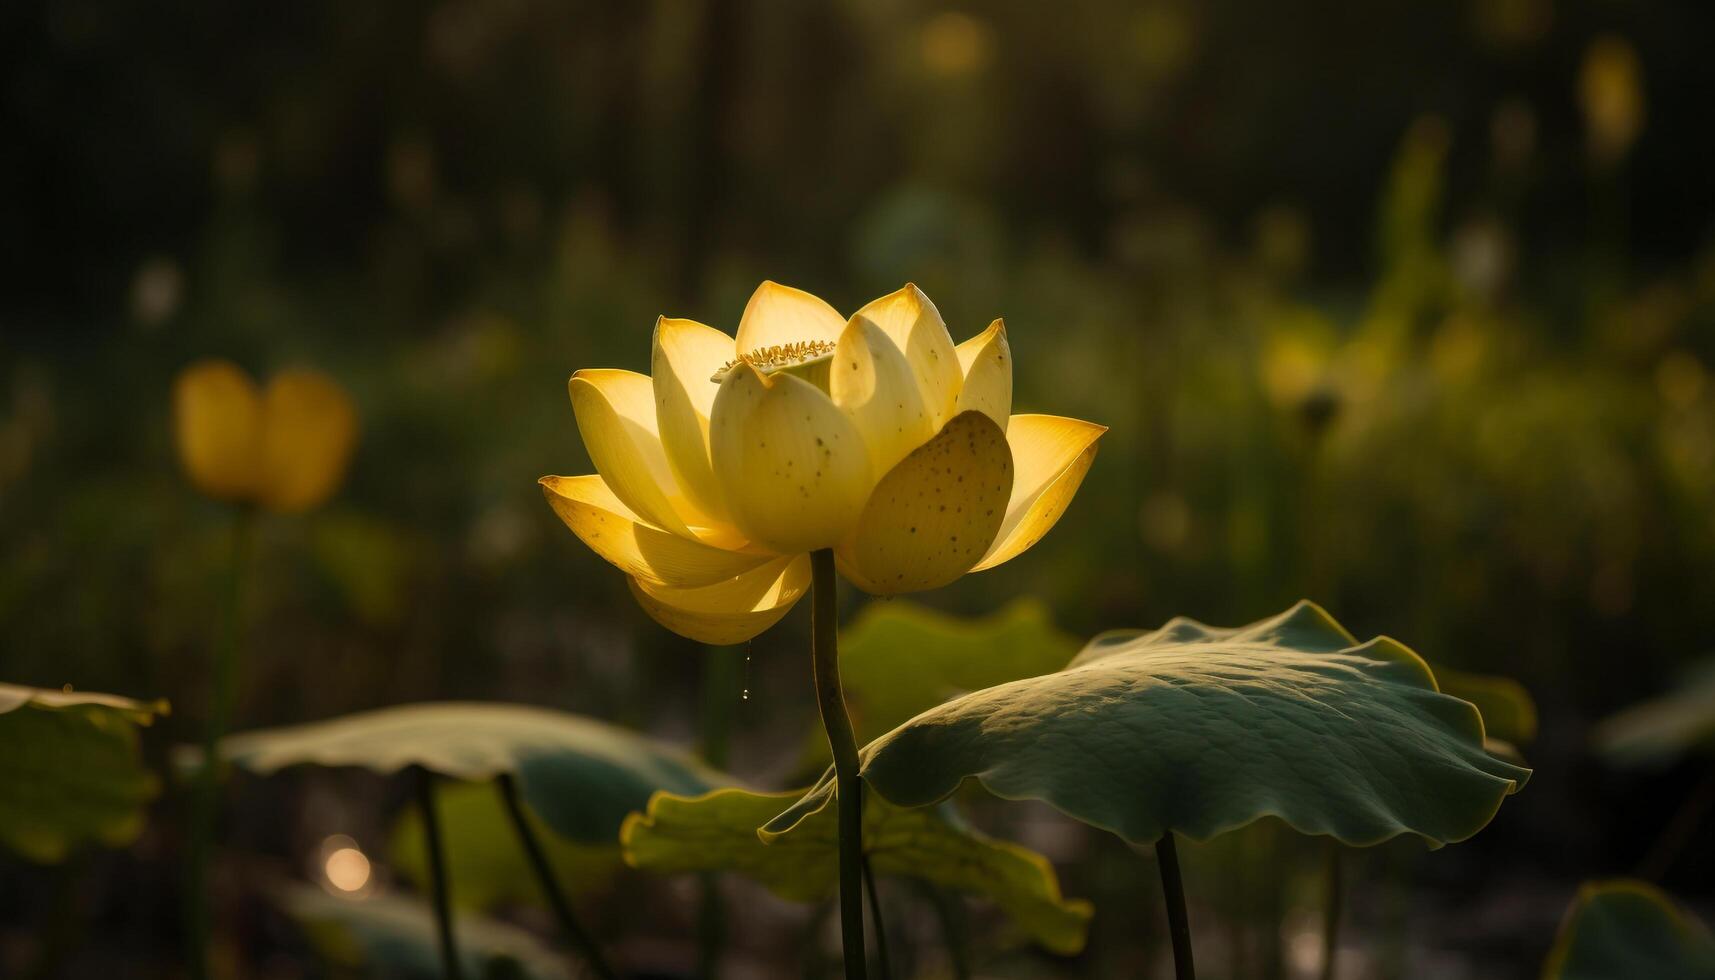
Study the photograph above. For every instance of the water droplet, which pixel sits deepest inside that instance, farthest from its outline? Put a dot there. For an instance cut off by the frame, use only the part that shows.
(746, 695)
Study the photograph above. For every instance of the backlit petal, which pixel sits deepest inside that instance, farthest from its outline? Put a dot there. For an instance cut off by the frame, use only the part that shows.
(779, 314)
(986, 362)
(309, 428)
(217, 424)
(792, 468)
(686, 356)
(1051, 455)
(612, 531)
(616, 417)
(917, 329)
(872, 382)
(935, 514)
(728, 612)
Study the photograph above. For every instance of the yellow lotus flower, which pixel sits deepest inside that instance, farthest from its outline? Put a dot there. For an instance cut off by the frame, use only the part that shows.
(873, 436)
(284, 448)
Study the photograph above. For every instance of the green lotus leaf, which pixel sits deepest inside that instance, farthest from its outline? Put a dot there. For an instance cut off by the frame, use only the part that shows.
(71, 770)
(717, 832)
(486, 865)
(1663, 728)
(1200, 730)
(393, 936)
(898, 658)
(581, 776)
(1624, 930)
(1509, 712)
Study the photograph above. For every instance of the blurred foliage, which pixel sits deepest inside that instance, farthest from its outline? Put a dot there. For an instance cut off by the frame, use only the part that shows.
(1661, 729)
(71, 772)
(392, 936)
(1406, 308)
(486, 864)
(1624, 928)
(898, 658)
(1508, 712)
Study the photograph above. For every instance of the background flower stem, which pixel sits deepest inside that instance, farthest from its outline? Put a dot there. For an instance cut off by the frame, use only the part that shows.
(1173, 890)
(884, 968)
(202, 818)
(574, 931)
(1331, 910)
(825, 659)
(439, 896)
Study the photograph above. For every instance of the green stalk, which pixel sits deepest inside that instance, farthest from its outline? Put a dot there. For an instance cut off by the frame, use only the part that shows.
(574, 930)
(1173, 890)
(206, 791)
(886, 969)
(721, 678)
(440, 896)
(950, 910)
(842, 742)
(1331, 911)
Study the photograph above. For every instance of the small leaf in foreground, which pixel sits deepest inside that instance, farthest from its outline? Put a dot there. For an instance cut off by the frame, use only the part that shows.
(581, 776)
(1625, 930)
(1201, 730)
(717, 832)
(70, 770)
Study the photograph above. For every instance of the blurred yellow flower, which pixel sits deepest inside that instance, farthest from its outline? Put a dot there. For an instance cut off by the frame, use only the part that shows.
(1611, 93)
(873, 436)
(284, 448)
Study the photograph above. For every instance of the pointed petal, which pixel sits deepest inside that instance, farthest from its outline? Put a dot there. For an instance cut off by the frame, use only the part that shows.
(728, 612)
(309, 428)
(917, 329)
(792, 468)
(779, 314)
(872, 382)
(686, 356)
(1051, 455)
(986, 361)
(936, 513)
(616, 417)
(217, 424)
(612, 531)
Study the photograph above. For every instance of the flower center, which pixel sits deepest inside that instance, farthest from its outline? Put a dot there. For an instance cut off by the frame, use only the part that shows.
(806, 358)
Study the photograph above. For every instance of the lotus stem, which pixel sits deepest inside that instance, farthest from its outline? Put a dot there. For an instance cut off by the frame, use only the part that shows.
(711, 928)
(1173, 890)
(886, 969)
(842, 742)
(721, 679)
(1680, 830)
(569, 925)
(1331, 912)
(951, 913)
(204, 799)
(439, 896)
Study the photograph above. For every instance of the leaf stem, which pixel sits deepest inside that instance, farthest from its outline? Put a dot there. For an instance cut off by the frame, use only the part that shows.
(1173, 890)
(574, 931)
(206, 792)
(439, 896)
(1331, 911)
(950, 910)
(1680, 829)
(885, 968)
(842, 742)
